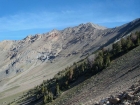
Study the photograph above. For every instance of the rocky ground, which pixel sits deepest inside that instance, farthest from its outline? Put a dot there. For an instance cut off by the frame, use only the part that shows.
(128, 97)
(123, 72)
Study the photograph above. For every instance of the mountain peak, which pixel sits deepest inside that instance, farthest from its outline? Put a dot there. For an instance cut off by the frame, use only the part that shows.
(96, 26)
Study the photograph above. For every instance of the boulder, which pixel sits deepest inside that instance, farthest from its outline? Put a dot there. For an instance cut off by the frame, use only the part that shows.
(130, 96)
(137, 90)
(124, 95)
(114, 100)
(132, 87)
(126, 103)
(96, 103)
(137, 103)
(102, 102)
(107, 103)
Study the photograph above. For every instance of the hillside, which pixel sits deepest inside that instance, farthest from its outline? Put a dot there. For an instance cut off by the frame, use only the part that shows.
(24, 64)
(123, 72)
(94, 65)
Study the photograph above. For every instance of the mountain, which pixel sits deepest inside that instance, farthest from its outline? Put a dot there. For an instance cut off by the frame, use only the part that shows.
(25, 63)
(121, 80)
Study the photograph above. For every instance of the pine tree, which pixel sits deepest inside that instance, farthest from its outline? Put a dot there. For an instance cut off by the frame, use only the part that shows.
(57, 89)
(123, 44)
(116, 48)
(45, 99)
(50, 97)
(43, 90)
(99, 62)
(101, 53)
(138, 42)
(137, 39)
(107, 61)
(71, 74)
(83, 67)
(129, 43)
(37, 96)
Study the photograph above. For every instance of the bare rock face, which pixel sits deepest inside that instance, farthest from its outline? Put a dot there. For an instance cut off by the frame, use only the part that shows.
(43, 55)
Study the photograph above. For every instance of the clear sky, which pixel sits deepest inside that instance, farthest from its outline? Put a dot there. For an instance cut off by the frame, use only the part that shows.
(19, 18)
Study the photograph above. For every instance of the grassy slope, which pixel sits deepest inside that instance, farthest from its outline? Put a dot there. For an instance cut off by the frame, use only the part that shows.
(7, 100)
(122, 73)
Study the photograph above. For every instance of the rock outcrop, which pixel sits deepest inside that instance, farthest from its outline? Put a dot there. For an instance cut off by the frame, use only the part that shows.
(128, 97)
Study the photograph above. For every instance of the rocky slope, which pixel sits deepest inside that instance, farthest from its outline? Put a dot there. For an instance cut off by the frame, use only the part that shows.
(115, 85)
(26, 63)
(128, 97)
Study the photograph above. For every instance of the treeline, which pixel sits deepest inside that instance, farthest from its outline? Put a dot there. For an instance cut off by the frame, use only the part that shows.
(51, 89)
(102, 60)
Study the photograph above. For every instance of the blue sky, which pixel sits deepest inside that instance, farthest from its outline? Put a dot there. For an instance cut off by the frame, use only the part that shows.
(19, 18)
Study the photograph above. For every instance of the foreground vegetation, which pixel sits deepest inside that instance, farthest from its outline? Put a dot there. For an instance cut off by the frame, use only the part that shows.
(49, 90)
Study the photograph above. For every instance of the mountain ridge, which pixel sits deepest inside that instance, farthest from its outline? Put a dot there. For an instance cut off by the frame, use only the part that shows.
(41, 56)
